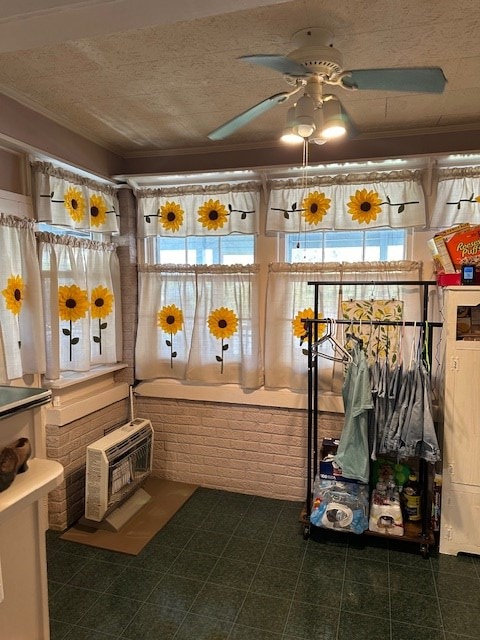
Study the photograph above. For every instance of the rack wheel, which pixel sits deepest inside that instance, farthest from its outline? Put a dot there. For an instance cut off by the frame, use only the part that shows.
(306, 531)
(425, 551)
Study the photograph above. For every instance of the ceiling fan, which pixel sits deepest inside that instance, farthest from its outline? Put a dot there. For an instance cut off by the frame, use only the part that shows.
(315, 64)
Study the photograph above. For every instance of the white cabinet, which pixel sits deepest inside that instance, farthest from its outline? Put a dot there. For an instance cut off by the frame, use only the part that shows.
(23, 566)
(460, 522)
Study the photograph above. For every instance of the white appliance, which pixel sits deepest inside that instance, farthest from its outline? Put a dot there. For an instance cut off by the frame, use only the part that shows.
(116, 466)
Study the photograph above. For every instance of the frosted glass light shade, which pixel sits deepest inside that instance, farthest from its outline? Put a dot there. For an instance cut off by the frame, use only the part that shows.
(304, 111)
(288, 135)
(334, 120)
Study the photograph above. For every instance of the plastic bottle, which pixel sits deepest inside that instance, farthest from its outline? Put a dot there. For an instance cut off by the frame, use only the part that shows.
(436, 501)
(411, 497)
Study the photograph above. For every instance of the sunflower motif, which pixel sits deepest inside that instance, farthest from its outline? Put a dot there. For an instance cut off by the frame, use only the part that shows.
(101, 302)
(13, 294)
(212, 215)
(74, 203)
(298, 325)
(98, 210)
(72, 306)
(170, 319)
(171, 216)
(222, 323)
(101, 305)
(315, 206)
(364, 206)
(72, 302)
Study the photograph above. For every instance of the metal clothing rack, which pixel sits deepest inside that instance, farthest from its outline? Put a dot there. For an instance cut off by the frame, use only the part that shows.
(423, 536)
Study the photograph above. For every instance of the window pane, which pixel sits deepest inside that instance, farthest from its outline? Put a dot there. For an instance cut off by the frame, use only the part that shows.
(63, 231)
(346, 246)
(234, 249)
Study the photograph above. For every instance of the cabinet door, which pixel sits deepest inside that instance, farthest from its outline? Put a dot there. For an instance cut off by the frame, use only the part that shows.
(460, 517)
(462, 387)
(462, 442)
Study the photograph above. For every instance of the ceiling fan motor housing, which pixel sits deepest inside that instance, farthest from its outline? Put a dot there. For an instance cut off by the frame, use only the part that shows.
(316, 52)
(319, 59)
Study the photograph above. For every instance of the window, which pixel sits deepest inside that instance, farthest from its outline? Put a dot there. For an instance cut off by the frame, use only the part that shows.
(226, 250)
(346, 246)
(68, 231)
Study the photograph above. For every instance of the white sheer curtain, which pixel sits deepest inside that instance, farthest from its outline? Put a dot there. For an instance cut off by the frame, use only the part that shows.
(290, 298)
(199, 324)
(458, 197)
(354, 201)
(22, 348)
(166, 312)
(81, 297)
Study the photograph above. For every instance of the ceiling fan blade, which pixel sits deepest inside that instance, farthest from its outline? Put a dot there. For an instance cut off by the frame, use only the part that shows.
(421, 79)
(278, 63)
(351, 126)
(247, 116)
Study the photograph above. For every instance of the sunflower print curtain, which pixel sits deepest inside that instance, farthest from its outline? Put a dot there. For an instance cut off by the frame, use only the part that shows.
(458, 197)
(349, 202)
(199, 210)
(68, 200)
(199, 324)
(81, 294)
(22, 345)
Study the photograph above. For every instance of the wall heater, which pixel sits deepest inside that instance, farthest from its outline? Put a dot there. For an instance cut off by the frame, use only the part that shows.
(117, 464)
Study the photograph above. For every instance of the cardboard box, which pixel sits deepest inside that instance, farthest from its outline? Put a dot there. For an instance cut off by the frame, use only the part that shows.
(439, 250)
(440, 256)
(449, 279)
(464, 246)
(326, 468)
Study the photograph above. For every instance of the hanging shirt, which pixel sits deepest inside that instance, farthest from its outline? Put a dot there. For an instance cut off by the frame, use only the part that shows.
(353, 455)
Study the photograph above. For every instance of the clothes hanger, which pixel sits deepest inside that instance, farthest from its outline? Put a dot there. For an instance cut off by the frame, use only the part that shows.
(342, 354)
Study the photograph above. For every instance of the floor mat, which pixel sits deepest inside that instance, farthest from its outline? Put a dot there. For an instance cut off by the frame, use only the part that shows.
(167, 498)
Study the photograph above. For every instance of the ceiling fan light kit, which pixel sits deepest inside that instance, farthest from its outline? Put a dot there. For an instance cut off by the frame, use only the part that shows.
(314, 64)
(288, 134)
(304, 124)
(334, 120)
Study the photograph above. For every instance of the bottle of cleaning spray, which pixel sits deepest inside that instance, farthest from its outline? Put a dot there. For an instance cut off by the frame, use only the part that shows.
(411, 497)
(436, 502)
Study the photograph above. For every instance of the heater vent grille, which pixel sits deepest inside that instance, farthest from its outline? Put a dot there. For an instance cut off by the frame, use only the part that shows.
(116, 465)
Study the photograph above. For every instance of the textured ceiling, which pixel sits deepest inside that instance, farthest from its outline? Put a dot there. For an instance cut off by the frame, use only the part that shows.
(165, 86)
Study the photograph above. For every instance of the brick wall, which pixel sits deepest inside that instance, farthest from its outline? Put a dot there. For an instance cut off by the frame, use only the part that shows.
(68, 445)
(246, 449)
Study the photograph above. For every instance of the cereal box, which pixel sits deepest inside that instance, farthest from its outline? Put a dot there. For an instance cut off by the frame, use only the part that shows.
(464, 246)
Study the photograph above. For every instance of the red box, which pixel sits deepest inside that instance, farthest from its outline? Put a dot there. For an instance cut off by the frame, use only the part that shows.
(449, 279)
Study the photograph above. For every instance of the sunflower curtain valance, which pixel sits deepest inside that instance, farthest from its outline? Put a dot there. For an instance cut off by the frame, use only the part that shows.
(68, 200)
(82, 308)
(346, 202)
(198, 210)
(458, 197)
(199, 324)
(22, 345)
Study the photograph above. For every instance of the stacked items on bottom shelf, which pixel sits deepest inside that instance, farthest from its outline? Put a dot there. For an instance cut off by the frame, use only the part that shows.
(347, 505)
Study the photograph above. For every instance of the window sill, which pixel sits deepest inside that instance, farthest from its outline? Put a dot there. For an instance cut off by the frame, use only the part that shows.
(233, 394)
(78, 395)
(70, 378)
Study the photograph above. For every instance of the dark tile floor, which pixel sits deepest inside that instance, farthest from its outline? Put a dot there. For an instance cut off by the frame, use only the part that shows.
(236, 567)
